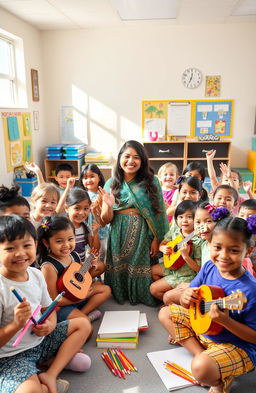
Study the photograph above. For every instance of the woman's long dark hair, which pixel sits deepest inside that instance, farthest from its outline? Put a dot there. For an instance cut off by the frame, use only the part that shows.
(144, 176)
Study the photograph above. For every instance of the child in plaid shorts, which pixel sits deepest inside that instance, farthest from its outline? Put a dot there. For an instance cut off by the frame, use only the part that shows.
(220, 358)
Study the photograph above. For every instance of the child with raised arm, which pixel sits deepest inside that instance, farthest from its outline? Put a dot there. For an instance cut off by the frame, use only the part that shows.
(220, 358)
(188, 263)
(61, 342)
(168, 175)
(229, 176)
(56, 244)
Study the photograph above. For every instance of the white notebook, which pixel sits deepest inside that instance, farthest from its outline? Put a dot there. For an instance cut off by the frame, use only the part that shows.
(178, 355)
(119, 324)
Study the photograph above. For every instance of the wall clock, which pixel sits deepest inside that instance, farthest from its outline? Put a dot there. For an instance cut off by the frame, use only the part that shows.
(191, 78)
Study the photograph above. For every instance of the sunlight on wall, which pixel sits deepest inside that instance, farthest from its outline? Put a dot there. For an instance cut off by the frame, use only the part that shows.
(106, 131)
(101, 139)
(129, 130)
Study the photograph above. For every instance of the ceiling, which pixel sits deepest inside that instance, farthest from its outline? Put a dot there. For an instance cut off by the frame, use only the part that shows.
(83, 14)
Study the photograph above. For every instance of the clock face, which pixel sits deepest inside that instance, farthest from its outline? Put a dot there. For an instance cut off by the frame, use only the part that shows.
(191, 78)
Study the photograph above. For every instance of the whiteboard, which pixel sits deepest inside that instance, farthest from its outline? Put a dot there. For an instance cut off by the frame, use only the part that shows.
(179, 119)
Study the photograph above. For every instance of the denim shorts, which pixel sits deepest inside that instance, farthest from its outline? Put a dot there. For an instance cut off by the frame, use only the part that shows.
(14, 370)
(64, 311)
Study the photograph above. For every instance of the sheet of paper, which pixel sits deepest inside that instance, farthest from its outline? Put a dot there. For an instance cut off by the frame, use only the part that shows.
(204, 123)
(221, 108)
(152, 125)
(179, 119)
(204, 108)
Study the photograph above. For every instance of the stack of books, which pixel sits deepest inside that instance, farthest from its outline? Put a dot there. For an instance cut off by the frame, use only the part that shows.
(73, 152)
(98, 158)
(120, 329)
(54, 152)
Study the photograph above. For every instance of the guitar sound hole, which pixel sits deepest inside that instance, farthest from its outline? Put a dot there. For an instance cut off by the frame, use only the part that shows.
(202, 307)
(175, 248)
(78, 277)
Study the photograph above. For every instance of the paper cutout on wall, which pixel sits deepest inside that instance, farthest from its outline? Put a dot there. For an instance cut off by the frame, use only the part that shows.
(13, 128)
(27, 150)
(26, 124)
(15, 153)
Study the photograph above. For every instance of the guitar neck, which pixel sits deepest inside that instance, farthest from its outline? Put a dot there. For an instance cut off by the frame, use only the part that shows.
(87, 263)
(185, 240)
(220, 303)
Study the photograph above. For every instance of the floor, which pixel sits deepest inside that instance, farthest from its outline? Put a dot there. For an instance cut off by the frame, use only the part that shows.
(146, 380)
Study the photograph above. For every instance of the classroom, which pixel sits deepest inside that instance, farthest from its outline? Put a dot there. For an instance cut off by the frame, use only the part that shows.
(82, 56)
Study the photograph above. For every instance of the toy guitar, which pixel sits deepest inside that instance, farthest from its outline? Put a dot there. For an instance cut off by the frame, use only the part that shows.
(175, 259)
(76, 280)
(198, 311)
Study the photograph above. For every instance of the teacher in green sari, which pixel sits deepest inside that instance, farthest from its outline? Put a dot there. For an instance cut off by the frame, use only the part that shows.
(132, 203)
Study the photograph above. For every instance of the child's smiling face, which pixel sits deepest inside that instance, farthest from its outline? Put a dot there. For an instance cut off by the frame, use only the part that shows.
(16, 256)
(203, 219)
(227, 253)
(224, 198)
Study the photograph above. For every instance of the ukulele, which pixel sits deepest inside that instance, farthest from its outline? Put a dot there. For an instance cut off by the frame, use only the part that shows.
(198, 311)
(175, 260)
(76, 280)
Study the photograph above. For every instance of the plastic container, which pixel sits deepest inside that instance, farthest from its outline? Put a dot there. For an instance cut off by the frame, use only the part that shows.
(26, 185)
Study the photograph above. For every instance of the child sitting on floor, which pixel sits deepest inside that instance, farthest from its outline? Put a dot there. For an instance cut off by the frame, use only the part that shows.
(220, 358)
(188, 264)
(18, 364)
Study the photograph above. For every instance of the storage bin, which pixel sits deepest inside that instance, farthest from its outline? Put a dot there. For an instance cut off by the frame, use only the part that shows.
(26, 185)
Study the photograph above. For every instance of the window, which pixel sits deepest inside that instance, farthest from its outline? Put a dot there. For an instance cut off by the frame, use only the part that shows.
(8, 95)
(12, 71)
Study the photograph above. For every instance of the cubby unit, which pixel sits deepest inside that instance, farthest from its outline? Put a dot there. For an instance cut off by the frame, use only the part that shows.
(183, 152)
(51, 165)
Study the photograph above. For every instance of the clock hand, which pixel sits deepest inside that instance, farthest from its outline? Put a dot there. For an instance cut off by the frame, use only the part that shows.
(191, 78)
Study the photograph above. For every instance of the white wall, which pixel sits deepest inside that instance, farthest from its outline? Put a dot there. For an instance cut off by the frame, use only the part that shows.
(120, 67)
(33, 59)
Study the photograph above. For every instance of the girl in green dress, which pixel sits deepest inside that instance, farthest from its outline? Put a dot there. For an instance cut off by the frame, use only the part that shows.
(132, 203)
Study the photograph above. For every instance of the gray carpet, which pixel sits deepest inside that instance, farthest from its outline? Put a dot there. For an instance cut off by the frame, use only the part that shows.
(99, 379)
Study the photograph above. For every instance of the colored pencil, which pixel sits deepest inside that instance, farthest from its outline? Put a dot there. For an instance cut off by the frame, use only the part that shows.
(115, 362)
(108, 365)
(119, 361)
(126, 367)
(128, 360)
(51, 308)
(184, 376)
(180, 373)
(14, 291)
(180, 368)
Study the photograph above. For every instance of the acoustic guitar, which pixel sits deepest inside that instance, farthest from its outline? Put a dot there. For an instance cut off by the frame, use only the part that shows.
(199, 311)
(175, 260)
(76, 280)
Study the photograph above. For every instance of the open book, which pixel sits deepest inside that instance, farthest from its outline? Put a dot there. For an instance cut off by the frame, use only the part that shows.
(178, 355)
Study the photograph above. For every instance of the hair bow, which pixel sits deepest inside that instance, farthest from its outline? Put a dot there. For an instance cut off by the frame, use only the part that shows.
(45, 225)
(210, 208)
(180, 179)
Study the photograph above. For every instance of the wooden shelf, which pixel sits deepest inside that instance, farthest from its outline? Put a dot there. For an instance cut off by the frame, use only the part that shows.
(184, 151)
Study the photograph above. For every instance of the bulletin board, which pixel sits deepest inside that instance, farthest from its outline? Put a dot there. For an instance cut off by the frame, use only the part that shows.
(188, 118)
(17, 138)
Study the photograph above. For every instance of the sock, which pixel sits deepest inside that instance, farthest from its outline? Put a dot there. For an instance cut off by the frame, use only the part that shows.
(80, 362)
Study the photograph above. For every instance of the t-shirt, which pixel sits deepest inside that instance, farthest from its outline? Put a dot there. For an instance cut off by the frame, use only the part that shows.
(35, 291)
(82, 233)
(209, 275)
